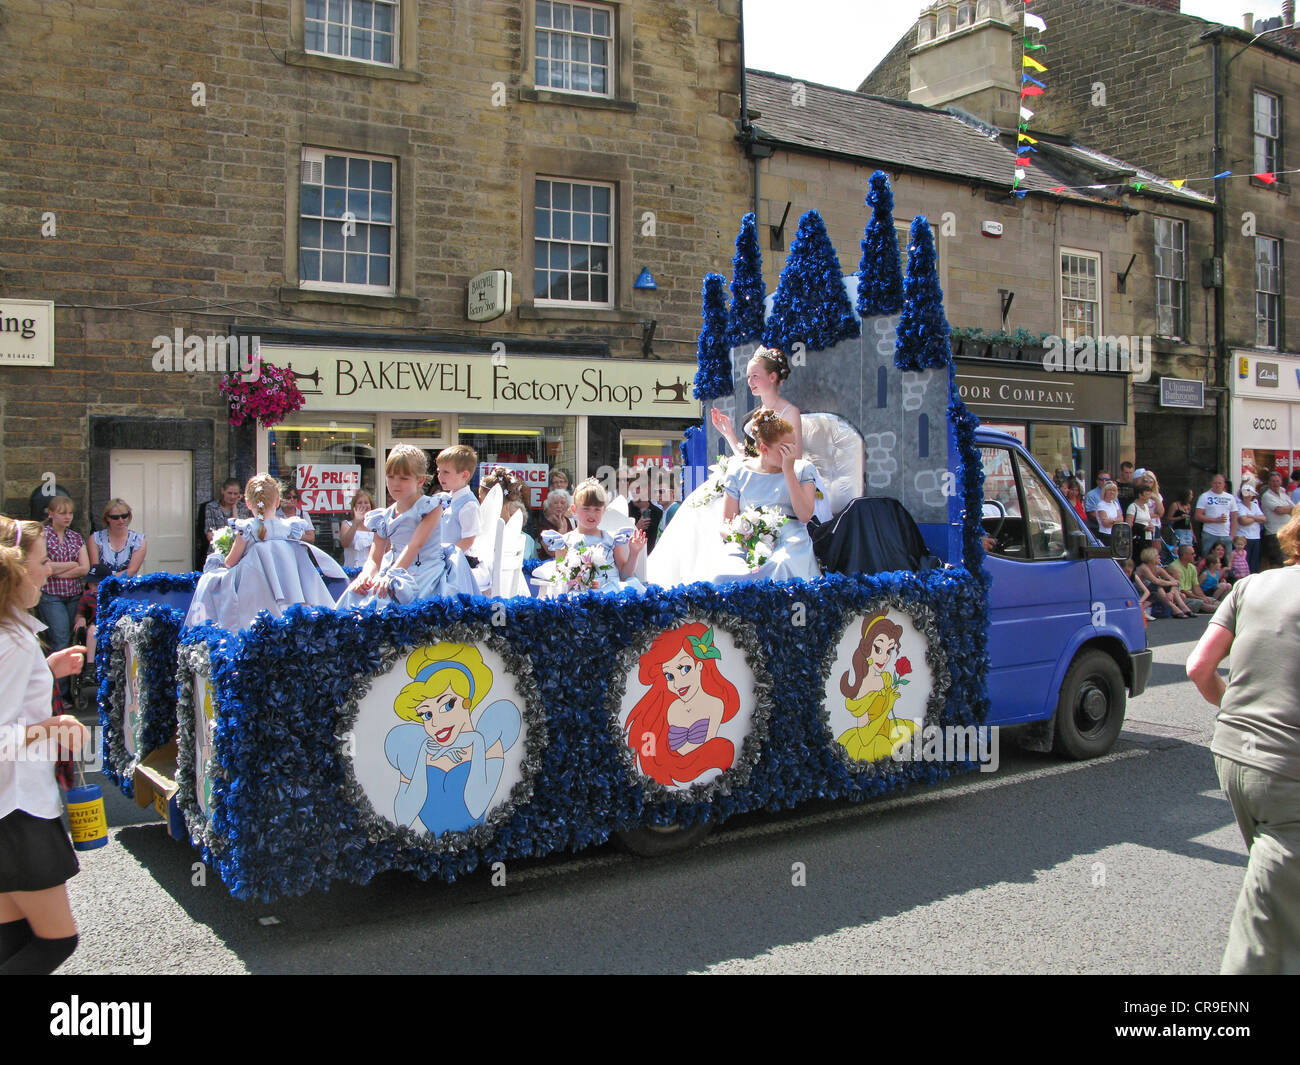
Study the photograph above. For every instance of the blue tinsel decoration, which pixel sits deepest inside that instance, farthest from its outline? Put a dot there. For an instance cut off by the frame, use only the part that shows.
(923, 341)
(811, 306)
(745, 321)
(880, 276)
(713, 378)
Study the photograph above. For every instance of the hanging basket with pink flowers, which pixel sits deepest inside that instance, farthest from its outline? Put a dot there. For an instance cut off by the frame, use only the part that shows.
(270, 396)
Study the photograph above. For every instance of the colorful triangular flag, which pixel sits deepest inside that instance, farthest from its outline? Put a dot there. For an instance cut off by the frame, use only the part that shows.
(1032, 63)
(1033, 22)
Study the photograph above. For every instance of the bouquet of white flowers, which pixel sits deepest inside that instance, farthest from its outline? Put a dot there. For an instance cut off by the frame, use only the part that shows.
(224, 540)
(582, 568)
(756, 529)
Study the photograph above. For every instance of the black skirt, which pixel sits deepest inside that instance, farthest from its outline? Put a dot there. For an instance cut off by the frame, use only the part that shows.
(35, 853)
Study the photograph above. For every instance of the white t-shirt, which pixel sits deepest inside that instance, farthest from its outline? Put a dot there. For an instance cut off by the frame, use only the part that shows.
(26, 783)
(1112, 510)
(1254, 530)
(1270, 500)
(1219, 508)
(1140, 514)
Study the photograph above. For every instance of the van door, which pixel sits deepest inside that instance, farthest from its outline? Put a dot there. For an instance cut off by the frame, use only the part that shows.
(1040, 594)
(158, 485)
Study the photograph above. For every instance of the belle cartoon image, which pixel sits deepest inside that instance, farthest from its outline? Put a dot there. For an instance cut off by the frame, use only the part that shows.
(449, 759)
(673, 728)
(872, 691)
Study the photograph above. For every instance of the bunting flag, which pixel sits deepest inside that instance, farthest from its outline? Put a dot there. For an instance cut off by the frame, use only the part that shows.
(1155, 184)
(1029, 86)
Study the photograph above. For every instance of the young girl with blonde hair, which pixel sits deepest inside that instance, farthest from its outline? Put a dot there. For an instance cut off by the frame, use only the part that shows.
(37, 929)
(269, 566)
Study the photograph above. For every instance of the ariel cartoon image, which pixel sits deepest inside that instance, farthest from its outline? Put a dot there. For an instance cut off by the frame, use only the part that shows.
(872, 692)
(673, 728)
(449, 760)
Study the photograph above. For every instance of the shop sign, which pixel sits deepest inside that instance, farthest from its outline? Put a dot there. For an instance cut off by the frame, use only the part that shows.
(1043, 396)
(1266, 375)
(26, 333)
(663, 462)
(489, 295)
(328, 489)
(360, 379)
(1179, 392)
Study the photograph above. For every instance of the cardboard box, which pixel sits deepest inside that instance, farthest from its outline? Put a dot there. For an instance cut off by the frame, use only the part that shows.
(155, 785)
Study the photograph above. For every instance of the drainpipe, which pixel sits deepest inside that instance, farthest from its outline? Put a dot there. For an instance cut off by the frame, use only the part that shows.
(1221, 361)
(746, 130)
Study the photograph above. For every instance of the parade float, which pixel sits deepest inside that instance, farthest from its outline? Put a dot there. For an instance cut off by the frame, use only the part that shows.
(321, 745)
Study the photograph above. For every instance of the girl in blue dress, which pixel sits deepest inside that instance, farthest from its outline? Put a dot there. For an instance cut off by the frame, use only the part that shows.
(776, 478)
(407, 559)
(617, 551)
(269, 567)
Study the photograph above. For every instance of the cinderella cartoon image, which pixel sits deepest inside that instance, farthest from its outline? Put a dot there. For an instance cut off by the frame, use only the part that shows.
(449, 755)
(871, 691)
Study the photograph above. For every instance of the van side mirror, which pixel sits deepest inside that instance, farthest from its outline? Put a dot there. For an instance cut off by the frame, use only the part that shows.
(1121, 542)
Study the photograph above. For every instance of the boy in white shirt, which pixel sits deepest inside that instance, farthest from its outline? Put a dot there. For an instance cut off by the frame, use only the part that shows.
(460, 521)
(1216, 510)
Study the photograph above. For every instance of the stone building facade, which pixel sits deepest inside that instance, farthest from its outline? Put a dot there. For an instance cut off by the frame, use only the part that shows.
(1189, 99)
(329, 178)
(818, 146)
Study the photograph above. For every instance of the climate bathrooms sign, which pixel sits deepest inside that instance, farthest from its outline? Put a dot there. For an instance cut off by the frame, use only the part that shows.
(26, 333)
(348, 379)
(1180, 392)
(1015, 393)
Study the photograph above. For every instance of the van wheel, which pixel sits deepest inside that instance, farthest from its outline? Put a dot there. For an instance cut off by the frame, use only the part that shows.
(1090, 711)
(655, 841)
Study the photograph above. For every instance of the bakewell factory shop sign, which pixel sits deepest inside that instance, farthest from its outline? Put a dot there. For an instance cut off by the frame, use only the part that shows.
(345, 379)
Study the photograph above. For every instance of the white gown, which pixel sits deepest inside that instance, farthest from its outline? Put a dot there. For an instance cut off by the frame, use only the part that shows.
(610, 582)
(697, 527)
(793, 555)
(272, 574)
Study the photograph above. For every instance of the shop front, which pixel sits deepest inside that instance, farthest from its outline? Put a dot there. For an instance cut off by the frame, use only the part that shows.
(534, 413)
(1265, 424)
(1068, 421)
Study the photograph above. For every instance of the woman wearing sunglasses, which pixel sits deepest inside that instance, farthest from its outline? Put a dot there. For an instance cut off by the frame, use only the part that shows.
(117, 545)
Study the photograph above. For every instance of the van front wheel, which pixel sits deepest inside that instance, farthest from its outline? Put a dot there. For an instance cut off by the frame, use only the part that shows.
(655, 841)
(1090, 710)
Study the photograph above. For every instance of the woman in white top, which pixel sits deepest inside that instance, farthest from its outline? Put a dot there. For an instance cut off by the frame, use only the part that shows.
(1250, 523)
(1108, 511)
(353, 534)
(117, 545)
(37, 930)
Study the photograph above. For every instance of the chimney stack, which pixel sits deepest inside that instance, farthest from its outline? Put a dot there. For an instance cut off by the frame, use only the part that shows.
(1288, 20)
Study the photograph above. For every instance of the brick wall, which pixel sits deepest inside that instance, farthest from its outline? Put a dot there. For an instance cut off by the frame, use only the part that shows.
(175, 216)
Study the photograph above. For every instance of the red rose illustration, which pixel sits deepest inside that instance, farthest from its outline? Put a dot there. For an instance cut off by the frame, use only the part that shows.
(903, 668)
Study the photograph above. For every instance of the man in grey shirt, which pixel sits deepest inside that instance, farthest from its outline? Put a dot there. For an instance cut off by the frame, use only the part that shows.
(1277, 507)
(1256, 750)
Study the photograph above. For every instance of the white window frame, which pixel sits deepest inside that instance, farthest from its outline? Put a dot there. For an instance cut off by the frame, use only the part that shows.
(312, 156)
(1066, 291)
(611, 245)
(575, 40)
(1268, 295)
(1171, 277)
(1268, 136)
(350, 8)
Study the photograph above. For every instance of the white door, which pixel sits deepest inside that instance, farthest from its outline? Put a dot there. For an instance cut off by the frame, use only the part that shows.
(159, 488)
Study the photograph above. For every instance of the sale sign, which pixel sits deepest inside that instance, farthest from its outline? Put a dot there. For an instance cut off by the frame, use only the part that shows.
(328, 489)
(663, 462)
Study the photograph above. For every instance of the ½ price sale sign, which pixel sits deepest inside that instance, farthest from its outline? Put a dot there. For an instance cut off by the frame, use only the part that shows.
(328, 489)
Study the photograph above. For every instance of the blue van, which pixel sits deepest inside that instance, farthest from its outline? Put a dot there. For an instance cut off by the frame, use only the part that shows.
(1066, 640)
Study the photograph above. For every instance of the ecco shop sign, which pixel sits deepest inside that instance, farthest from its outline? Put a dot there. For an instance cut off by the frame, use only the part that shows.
(328, 489)
(1264, 423)
(346, 379)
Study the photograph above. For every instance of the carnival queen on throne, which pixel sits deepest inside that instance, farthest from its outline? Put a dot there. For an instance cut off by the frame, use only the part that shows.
(748, 497)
